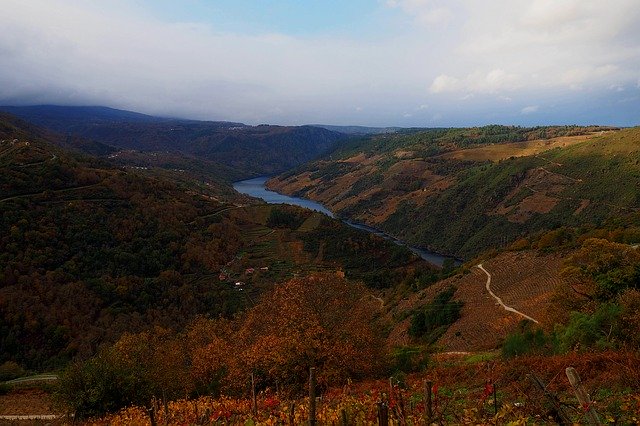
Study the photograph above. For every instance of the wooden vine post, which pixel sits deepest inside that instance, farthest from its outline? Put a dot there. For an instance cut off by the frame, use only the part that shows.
(559, 413)
(343, 418)
(152, 415)
(292, 413)
(383, 414)
(495, 399)
(254, 399)
(166, 407)
(583, 396)
(428, 385)
(312, 396)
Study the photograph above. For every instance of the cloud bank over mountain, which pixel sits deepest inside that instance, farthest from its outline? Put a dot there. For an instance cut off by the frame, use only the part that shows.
(401, 62)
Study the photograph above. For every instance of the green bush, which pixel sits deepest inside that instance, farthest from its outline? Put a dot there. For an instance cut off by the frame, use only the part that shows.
(524, 341)
(408, 359)
(102, 385)
(431, 322)
(599, 330)
(4, 388)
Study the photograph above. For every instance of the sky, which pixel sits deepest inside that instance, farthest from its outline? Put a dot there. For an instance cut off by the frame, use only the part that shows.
(410, 63)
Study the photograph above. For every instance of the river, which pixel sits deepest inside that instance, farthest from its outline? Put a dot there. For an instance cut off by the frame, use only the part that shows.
(256, 188)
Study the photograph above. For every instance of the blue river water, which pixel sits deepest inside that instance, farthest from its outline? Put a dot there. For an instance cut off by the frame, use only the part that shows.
(256, 188)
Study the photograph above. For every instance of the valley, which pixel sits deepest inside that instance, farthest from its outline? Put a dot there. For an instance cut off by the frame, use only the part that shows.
(322, 213)
(256, 188)
(147, 265)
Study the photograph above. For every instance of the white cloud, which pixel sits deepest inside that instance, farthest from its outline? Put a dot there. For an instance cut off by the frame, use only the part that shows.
(508, 45)
(478, 82)
(444, 83)
(488, 52)
(529, 109)
(69, 52)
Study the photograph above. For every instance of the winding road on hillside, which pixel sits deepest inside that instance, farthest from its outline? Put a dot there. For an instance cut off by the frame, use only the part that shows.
(500, 302)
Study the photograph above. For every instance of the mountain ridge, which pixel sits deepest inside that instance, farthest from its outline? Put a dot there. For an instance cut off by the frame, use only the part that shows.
(251, 150)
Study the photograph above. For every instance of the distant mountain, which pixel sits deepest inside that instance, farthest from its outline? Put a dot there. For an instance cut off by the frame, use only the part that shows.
(251, 150)
(359, 130)
(61, 118)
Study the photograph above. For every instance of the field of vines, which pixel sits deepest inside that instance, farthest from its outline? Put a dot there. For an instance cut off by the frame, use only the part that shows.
(461, 392)
(525, 281)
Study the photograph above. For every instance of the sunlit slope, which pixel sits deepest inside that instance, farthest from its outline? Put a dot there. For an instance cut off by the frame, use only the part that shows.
(462, 193)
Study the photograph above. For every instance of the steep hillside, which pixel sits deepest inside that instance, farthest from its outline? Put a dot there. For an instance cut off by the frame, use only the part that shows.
(525, 281)
(250, 150)
(89, 250)
(461, 191)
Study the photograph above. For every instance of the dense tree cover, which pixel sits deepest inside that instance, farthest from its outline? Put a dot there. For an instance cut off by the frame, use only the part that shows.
(321, 320)
(81, 267)
(365, 256)
(285, 217)
(89, 251)
(250, 150)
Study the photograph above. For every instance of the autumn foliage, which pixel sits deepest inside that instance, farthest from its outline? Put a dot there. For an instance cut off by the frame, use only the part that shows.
(322, 320)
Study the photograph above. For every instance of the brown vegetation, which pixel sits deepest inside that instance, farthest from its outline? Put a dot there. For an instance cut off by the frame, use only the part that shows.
(524, 280)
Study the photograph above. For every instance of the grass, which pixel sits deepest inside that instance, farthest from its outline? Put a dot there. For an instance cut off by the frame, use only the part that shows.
(481, 357)
(503, 151)
(311, 223)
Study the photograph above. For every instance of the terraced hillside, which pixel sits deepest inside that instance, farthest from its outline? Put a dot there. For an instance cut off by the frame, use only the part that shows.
(462, 191)
(525, 281)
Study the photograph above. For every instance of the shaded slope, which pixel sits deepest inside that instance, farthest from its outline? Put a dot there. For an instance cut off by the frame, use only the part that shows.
(252, 150)
(89, 251)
